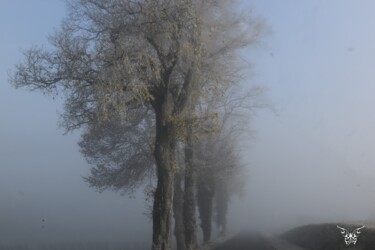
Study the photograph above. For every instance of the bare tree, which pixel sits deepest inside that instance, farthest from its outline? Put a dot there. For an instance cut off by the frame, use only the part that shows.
(229, 180)
(220, 176)
(114, 58)
(220, 169)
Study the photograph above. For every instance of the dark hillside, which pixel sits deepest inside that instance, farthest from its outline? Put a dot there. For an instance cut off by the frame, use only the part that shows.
(328, 237)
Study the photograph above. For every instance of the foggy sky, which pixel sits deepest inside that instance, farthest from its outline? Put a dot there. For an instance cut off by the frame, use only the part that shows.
(312, 160)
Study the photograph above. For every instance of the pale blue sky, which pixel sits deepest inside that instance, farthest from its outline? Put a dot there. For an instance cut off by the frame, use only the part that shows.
(318, 153)
(314, 160)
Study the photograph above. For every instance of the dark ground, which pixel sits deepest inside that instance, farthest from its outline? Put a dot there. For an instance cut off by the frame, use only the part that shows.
(256, 242)
(310, 237)
(245, 242)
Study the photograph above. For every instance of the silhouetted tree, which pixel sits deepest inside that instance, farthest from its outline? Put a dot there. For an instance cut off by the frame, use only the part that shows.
(220, 169)
(229, 180)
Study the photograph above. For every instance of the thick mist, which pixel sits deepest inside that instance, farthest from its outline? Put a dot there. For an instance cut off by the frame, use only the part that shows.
(310, 159)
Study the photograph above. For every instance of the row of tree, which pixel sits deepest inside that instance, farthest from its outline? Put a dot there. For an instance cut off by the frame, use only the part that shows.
(151, 84)
(208, 167)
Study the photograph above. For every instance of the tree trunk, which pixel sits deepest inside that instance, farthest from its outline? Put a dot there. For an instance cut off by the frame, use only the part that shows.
(222, 201)
(177, 212)
(205, 196)
(162, 209)
(189, 197)
(165, 146)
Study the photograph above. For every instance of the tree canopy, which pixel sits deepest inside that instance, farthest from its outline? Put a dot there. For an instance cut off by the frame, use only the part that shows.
(133, 65)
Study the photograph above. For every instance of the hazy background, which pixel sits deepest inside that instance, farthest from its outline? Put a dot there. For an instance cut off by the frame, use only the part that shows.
(312, 161)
